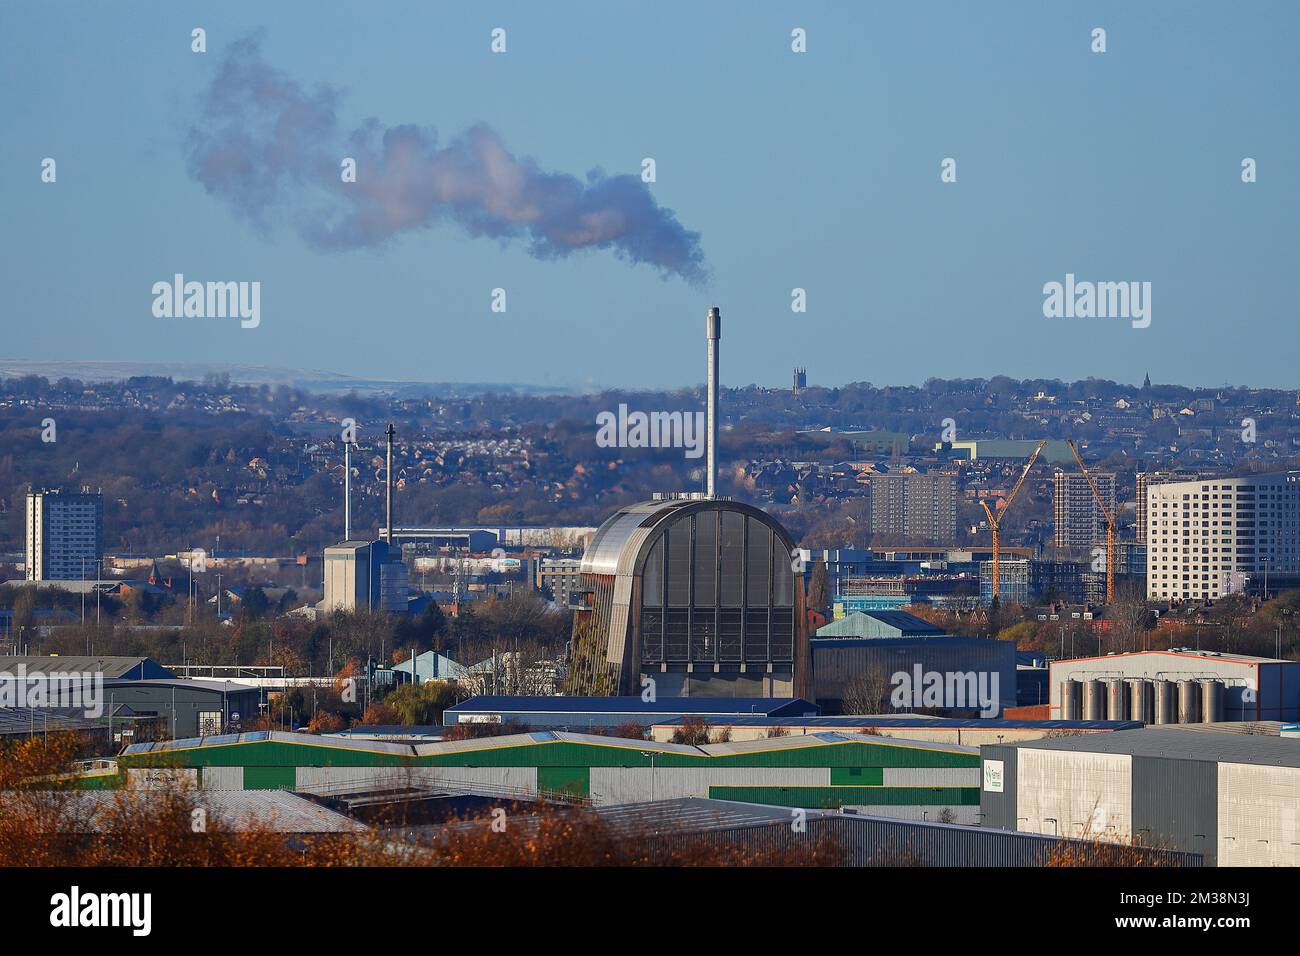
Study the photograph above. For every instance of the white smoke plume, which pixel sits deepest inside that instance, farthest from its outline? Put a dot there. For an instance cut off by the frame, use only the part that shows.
(269, 148)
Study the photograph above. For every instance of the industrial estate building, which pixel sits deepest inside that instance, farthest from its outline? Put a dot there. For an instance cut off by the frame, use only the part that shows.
(126, 695)
(850, 674)
(857, 661)
(1230, 797)
(971, 731)
(880, 624)
(184, 708)
(1179, 686)
(583, 713)
(699, 595)
(1210, 537)
(667, 827)
(359, 576)
(1055, 452)
(65, 535)
(877, 775)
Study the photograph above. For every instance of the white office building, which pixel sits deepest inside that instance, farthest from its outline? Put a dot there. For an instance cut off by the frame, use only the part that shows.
(1210, 537)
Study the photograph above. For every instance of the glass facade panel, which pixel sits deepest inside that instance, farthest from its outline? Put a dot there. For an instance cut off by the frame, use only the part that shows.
(729, 634)
(679, 564)
(756, 634)
(733, 557)
(717, 587)
(782, 634)
(675, 628)
(706, 558)
(782, 579)
(758, 564)
(652, 594)
(652, 637)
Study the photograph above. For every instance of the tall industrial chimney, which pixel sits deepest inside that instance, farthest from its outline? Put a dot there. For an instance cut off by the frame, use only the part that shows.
(347, 491)
(388, 475)
(713, 330)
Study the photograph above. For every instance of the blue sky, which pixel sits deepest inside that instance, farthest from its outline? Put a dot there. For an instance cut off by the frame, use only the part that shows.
(817, 170)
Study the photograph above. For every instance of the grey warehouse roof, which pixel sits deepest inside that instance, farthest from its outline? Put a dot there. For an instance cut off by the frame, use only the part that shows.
(238, 810)
(1180, 745)
(134, 668)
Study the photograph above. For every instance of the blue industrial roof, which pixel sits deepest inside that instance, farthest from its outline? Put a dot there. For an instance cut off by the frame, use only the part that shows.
(946, 640)
(926, 723)
(771, 706)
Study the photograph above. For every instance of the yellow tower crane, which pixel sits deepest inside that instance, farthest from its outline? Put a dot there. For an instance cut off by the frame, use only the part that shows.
(995, 520)
(1112, 523)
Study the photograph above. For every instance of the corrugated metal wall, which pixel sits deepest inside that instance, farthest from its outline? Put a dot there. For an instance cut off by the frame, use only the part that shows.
(222, 778)
(516, 779)
(1174, 804)
(867, 842)
(931, 777)
(835, 665)
(1073, 794)
(610, 785)
(998, 810)
(1258, 815)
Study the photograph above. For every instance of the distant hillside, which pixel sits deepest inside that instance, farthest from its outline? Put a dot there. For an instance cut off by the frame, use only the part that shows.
(314, 380)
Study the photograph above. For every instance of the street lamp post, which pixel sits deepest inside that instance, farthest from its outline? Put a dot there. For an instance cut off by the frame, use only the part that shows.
(651, 755)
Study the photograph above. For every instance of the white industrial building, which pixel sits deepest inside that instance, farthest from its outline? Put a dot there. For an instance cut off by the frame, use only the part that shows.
(1208, 538)
(1235, 798)
(1175, 686)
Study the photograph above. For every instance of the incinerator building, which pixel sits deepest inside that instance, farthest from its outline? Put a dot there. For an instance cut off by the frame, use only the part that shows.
(697, 593)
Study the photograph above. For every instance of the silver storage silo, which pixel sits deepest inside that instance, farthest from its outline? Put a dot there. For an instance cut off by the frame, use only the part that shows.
(1213, 704)
(1071, 699)
(1116, 699)
(1189, 702)
(1166, 702)
(1141, 700)
(1094, 700)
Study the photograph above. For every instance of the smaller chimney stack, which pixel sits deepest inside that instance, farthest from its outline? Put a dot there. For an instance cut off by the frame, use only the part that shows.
(713, 330)
(389, 476)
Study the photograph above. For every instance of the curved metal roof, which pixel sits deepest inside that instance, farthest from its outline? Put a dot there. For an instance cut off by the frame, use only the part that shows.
(617, 542)
(612, 538)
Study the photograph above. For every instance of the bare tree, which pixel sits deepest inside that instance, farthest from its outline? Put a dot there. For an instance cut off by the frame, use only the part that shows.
(867, 692)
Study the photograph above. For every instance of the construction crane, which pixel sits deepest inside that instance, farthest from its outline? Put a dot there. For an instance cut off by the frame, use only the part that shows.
(995, 520)
(1112, 523)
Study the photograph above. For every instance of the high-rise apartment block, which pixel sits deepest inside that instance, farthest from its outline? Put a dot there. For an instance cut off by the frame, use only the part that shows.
(1207, 538)
(1147, 478)
(916, 509)
(1079, 523)
(65, 535)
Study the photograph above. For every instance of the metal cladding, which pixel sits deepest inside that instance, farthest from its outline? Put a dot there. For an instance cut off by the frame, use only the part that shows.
(1226, 795)
(1166, 702)
(1213, 707)
(1142, 701)
(1116, 699)
(1094, 700)
(713, 330)
(691, 591)
(1189, 702)
(1071, 699)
